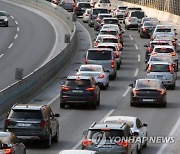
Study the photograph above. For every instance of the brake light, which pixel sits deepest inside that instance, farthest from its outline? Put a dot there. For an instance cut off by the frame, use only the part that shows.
(149, 69)
(170, 69)
(112, 63)
(105, 129)
(85, 61)
(98, 20)
(118, 36)
(119, 45)
(86, 142)
(116, 54)
(7, 122)
(90, 89)
(65, 88)
(129, 19)
(101, 76)
(8, 151)
(149, 49)
(144, 29)
(43, 123)
(174, 65)
(124, 143)
(172, 54)
(95, 44)
(162, 91)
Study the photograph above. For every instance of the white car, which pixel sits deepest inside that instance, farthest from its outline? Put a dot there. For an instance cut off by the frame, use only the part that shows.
(119, 12)
(86, 15)
(98, 72)
(136, 126)
(103, 4)
(77, 152)
(131, 22)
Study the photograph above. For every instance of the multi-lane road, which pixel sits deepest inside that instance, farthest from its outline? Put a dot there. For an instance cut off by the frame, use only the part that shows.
(114, 101)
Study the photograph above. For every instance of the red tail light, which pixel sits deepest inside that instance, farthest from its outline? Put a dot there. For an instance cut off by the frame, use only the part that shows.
(119, 45)
(86, 142)
(8, 151)
(124, 143)
(7, 122)
(116, 54)
(85, 61)
(144, 29)
(174, 65)
(170, 69)
(172, 54)
(95, 44)
(101, 76)
(162, 91)
(149, 69)
(98, 20)
(149, 49)
(129, 19)
(90, 89)
(43, 123)
(112, 63)
(65, 88)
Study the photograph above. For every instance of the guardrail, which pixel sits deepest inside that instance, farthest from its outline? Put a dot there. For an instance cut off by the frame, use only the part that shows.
(171, 6)
(22, 91)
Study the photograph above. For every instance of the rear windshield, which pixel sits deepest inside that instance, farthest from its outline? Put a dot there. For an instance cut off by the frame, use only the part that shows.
(108, 32)
(167, 59)
(158, 43)
(91, 69)
(164, 50)
(109, 40)
(104, 16)
(110, 47)
(160, 68)
(104, 1)
(137, 14)
(77, 83)
(84, 5)
(108, 134)
(97, 11)
(153, 24)
(99, 55)
(110, 21)
(25, 114)
(134, 8)
(122, 8)
(148, 84)
(163, 30)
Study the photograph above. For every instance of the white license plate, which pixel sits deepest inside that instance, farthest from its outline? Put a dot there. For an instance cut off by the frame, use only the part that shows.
(148, 100)
(24, 125)
(77, 91)
(107, 146)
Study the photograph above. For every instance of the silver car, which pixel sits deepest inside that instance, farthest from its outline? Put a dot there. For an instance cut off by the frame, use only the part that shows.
(86, 15)
(119, 12)
(78, 152)
(4, 18)
(97, 72)
(163, 71)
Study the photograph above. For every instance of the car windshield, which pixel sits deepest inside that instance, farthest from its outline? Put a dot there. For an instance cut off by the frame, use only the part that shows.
(110, 21)
(137, 14)
(97, 11)
(78, 83)
(84, 5)
(163, 30)
(99, 55)
(164, 50)
(2, 14)
(110, 26)
(108, 32)
(91, 69)
(140, 84)
(25, 114)
(160, 68)
(109, 40)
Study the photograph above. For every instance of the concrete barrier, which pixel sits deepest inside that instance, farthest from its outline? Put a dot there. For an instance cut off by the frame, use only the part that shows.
(22, 91)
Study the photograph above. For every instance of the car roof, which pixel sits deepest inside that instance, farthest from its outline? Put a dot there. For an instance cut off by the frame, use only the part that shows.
(73, 77)
(107, 44)
(91, 65)
(164, 46)
(108, 29)
(160, 62)
(120, 118)
(77, 152)
(27, 107)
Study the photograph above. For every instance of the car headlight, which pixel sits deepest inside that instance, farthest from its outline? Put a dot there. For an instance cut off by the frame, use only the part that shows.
(5, 19)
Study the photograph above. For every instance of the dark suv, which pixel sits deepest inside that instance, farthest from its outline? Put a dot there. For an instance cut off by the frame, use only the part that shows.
(80, 90)
(80, 8)
(33, 122)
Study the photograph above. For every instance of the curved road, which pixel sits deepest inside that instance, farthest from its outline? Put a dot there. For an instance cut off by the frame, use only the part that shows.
(26, 43)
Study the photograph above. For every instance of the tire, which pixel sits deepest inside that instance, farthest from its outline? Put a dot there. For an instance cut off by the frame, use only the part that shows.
(127, 28)
(56, 137)
(94, 106)
(173, 86)
(98, 102)
(118, 66)
(145, 144)
(62, 105)
(48, 142)
(139, 150)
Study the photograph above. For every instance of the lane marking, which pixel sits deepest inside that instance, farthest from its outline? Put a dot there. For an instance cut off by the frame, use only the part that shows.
(12, 17)
(130, 37)
(10, 45)
(1, 55)
(15, 37)
(54, 99)
(172, 133)
(139, 58)
(18, 29)
(107, 115)
(136, 72)
(16, 22)
(126, 92)
(136, 46)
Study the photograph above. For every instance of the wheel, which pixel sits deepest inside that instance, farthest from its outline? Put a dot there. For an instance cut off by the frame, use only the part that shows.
(118, 66)
(173, 86)
(127, 28)
(145, 144)
(94, 105)
(48, 142)
(7, 24)
(98, 102)
(56, 137)
(139, 149)
(62, 105)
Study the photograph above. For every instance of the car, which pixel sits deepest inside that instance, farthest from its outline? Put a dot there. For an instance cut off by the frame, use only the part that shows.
(148, 91)
(4, 21)
(136, 126)
(117, 52)
(94, 13)
(93, 2)
(55, 2)
(109, 138)
(100, 75)
(33, 122)
(79, 90)
(10, 144)
(163, 71)
(85, 17)
(147, 29)
(67, 5)
(78, 152)
(104, 57)
(131, 23)
(111, 20)
(119, 12)
(103, 4)
(99, 18)
(80, 8)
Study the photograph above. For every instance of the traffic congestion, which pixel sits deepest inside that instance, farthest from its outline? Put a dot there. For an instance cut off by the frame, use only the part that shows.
(101, 66)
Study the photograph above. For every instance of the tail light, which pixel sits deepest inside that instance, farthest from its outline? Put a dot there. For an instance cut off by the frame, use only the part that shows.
(149, 69)
(86, 142)
(172, 54)
(174, 65)
(170, 69)
(98, 20)
(8, 151)
(129, 19)
(118, 36)
(144, 29)
(65, 88)
(90, 89)
(43, 123)
(117, 10)
(116, 54)
(149, 49)
(95, 44)
(112, 63)
(162, 91)
(85, 61)
(124, 143)
(101, 76)
(135, 91)
(119, 45)
(7, 122)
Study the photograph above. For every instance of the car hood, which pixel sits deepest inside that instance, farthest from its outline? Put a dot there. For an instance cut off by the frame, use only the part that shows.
(3, 17)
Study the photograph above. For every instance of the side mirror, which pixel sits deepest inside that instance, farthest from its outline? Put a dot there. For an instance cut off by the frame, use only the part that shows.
(56, 115)
(146, 46)
(175, 29)
(62, 82)
(145, 125)
(107, 71)
(76, 70)
(85, 132)
(84, 55)
(175, 33)
(131, 85)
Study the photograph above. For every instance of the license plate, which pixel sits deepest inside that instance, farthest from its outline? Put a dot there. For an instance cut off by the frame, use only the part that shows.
(107, 146)
(148, 100)
(159, 76)
(24, 125)
(77, 91)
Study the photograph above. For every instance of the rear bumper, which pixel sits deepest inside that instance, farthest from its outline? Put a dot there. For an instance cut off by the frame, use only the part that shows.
(148, 100)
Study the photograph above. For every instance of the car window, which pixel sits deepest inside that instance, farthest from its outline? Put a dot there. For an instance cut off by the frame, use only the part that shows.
(2, 14)
(104, 16)
(147, 84)
(150, 24)
(108, 32)
(122, 8)
(164, 50)
(160, 68)
(76, 83)
(99, 55)
(163, 30)
(110, 21)
(104, 1)
(84, 5)
(91, 69)
(97, 11)
(109, 40)
(137, 14)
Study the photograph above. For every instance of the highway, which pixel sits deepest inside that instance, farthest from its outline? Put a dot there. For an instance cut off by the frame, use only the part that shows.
(28, 41)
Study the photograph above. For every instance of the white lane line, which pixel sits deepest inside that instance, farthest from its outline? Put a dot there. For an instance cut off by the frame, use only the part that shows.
(130, 37)
(136, 46)
(12, 17)
(172, 133)
(139, 58)
(53, 99)
(1, 55)
(16, 22)
(10, 45)
(18, 29)
(107, 115)
(126, 92)
(15, 37)
(136, 72)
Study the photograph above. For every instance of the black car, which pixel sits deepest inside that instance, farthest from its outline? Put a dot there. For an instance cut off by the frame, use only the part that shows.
(80, 90)
(10, 144)
(4, 21)
(33, 122)
(148, 91)
(147, 29)
(80, 8)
